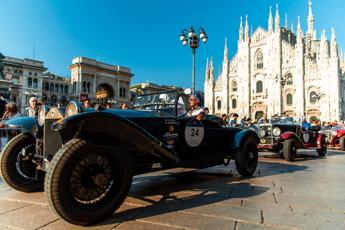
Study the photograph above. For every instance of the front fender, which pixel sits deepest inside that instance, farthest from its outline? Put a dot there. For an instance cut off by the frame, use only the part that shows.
(112, 129)
(319, 140)
(29, 124)
(241, 136)
(291, 135)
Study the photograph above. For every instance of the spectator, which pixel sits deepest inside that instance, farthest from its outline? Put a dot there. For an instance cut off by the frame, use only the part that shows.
(224, 119)
(206, 110)
(11, 111)
(32, 110)
(2, 105)
(196, 111)
(251, 125)
(234, 122)
(263, 119)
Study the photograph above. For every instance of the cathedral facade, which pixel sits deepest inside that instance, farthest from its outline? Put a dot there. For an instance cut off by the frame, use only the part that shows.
(279, 71)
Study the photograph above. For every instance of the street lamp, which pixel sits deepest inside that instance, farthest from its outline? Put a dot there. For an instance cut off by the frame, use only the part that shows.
(192, 38)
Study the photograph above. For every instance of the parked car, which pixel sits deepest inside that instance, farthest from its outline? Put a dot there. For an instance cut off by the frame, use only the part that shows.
(284, 135)
(88, 159)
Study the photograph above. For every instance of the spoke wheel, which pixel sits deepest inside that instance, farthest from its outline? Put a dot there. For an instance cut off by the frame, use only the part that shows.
(17, 166)
(289, 150)
(246, 158)
(86, 183)
(323, 151)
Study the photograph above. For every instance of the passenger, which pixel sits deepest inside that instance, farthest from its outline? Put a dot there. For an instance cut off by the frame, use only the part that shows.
(11, 111)
(124, 106)
(87, 103)
(206, 110)
(224, 119)
(32, 110)
(196, 111)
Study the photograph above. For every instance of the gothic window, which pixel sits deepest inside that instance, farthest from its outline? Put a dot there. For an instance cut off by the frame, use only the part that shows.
(289, 99)
(46, 86)
(219, 104)
(29, 82)
(234, 103)
(259, 87)
(259, 60)
(289, 80)
(35, 83)
(88, 87)
(234, 86)
(313, 97)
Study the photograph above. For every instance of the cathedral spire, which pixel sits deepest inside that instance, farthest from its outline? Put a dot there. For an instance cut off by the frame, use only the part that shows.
(246, 29)
(292, 29)
(277, 19)
(334, 46)
(207, 71)
(226, 52)
(211, 69)
(270, 21)
(286, 22)
(240, 35)
(310, 19)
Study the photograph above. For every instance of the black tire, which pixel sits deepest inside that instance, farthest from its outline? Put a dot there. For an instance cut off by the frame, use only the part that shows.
(322, 152)
(246, 158)
(342, 143)
(87, 183)
(289, 150)
(18, 170)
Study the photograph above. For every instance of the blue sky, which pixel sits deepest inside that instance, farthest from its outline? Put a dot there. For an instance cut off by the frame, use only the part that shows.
(144, 35)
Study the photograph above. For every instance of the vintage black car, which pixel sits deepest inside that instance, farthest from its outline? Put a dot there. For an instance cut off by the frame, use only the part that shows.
(284, 135)
(87, 160)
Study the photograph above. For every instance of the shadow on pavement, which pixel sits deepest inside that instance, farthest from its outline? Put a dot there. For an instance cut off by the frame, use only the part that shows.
(174, 192)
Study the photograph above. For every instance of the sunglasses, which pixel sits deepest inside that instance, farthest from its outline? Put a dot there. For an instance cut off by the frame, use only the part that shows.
(192, 99)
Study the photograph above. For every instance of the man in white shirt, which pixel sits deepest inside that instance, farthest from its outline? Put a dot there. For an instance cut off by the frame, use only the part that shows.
(196, 111)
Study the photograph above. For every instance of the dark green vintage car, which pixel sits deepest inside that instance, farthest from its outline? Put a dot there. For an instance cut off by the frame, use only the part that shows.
(88, 159)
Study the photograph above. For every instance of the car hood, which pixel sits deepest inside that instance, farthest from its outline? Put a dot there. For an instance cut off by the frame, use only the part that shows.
(127, 113)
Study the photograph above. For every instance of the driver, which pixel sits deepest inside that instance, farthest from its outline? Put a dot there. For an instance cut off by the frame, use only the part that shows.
(196, 111)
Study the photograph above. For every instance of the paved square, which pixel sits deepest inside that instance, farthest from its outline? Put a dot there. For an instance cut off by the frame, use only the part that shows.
(305, 194)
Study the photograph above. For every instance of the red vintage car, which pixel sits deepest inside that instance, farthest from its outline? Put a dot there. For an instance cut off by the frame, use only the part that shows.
(336, 136)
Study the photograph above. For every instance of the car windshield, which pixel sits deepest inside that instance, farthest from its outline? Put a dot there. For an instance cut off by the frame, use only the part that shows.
(286, 120)
(164, 103)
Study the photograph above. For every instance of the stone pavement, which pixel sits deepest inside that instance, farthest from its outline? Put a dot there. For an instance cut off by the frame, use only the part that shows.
(305, 194)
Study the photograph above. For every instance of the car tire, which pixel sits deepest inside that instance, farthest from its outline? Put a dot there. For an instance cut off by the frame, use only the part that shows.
(289, 150)
(18, 170)
(246, 158)
(323, 151)
(87, 183)
(342, 143)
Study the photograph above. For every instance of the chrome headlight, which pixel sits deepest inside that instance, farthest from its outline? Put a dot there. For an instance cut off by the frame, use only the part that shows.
(42, 111)
(72, 108)
(262, 133)
(276, 132)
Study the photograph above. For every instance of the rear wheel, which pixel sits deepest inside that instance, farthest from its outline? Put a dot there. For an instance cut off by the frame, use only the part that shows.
(289, 150)
(342, 143)
(322, 152)
(246, 158)
(17, 166)
(87, 183)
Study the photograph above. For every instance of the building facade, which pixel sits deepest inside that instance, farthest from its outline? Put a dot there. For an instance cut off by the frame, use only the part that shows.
(279, 71)
(100, 82)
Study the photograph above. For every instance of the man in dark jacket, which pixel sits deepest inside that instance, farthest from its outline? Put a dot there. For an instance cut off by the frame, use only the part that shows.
(2, 105)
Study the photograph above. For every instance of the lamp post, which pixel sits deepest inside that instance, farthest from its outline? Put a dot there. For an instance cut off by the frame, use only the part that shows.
(192, 38)
(282, 82)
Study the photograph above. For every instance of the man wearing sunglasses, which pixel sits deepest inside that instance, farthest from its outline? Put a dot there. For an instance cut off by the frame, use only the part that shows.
(196, 111)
